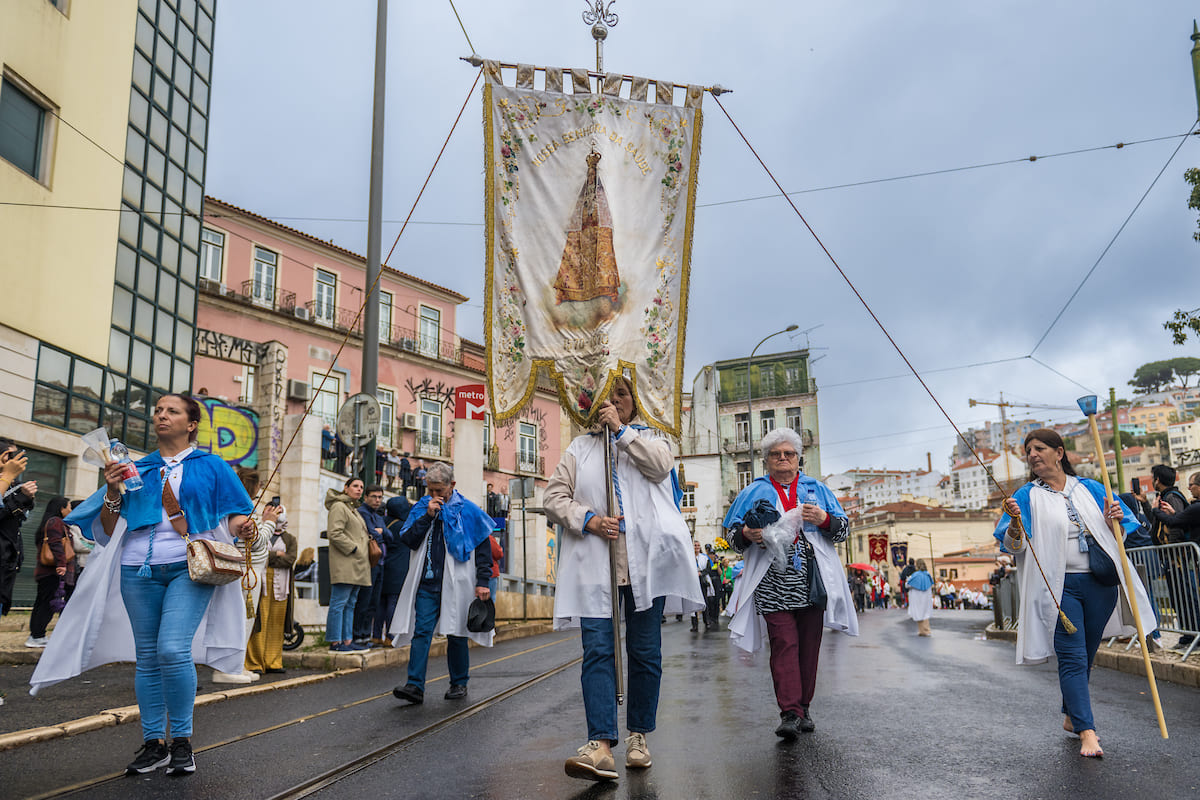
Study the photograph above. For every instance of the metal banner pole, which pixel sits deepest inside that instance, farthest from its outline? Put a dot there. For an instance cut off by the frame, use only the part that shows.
(609, 458)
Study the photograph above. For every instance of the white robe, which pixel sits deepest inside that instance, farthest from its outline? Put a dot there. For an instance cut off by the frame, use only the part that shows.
(920, 604)
(748, 629)
(458, 590)
(1039, 615)
(658, 544)
(94, 628)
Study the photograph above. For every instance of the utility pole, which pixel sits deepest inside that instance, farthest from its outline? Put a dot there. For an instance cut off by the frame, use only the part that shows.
(370, 330)
(1112, 407)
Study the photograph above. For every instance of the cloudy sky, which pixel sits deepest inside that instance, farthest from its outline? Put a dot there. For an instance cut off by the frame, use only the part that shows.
(967, 266)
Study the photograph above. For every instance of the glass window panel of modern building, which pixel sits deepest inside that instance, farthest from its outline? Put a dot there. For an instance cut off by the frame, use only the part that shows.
(22, 129)
(158, 253)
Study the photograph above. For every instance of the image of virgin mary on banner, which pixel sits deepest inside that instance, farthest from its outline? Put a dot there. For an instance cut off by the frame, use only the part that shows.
(589, 204)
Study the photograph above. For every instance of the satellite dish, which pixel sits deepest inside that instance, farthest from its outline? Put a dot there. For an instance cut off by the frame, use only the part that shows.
(358, 420)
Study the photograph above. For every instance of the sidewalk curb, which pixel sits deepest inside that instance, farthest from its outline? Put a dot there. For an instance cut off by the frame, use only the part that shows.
(335, 664)
(1166, 665)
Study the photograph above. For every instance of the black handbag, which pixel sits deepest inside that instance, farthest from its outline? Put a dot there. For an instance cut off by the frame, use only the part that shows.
(481, 616)
(817, 596)
(1104, 571)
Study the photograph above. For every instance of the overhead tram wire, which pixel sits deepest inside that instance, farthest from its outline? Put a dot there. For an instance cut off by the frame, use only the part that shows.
(832, 187)
(367, 294)
(464, 27)
(1113, 240)
(946, 171)
(857, 294)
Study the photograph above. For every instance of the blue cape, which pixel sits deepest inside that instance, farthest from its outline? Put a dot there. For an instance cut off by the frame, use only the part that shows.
(211, 491)
(1128, 522)
(464, 525)
(762, 489)
(921, 581)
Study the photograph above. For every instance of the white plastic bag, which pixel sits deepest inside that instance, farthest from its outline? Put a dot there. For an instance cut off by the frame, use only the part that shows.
(779, 536)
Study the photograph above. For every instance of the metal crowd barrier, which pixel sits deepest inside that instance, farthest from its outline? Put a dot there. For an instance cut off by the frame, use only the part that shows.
(1170, 573)
(1006, 602)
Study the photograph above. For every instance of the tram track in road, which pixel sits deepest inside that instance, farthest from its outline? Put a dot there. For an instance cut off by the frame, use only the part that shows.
(332, 776)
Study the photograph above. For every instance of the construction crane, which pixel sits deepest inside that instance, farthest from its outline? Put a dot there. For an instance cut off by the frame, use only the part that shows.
(1004, 405)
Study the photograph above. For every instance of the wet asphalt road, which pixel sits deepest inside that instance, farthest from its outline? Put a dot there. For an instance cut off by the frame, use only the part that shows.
(897, 716)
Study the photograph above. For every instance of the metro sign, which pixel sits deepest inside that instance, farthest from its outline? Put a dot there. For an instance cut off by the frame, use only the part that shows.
(470, 402)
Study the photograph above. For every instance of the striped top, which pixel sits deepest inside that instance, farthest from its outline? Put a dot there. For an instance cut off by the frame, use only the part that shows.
(786, 589)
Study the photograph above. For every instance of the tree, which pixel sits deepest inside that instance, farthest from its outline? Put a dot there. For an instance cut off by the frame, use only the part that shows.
(1184, 368)
(1151, 377)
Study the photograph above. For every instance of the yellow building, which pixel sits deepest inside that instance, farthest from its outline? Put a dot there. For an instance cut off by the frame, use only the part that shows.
(103, 131)
(1154, 419)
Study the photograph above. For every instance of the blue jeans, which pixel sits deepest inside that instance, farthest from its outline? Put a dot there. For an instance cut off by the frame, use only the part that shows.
(164, 611)
(428, 610)
(1088, 605)
(339, 621)
(643, 648)
(494, 586)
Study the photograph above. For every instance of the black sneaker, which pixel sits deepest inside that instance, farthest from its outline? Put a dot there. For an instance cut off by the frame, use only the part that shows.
(789, 726)
(410, 693)
(152, 756)
(456, 692)
(806, 723)
(182, 762)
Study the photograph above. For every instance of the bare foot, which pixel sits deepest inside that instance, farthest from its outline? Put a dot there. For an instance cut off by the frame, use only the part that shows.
(1067, 726)
(1089, 745)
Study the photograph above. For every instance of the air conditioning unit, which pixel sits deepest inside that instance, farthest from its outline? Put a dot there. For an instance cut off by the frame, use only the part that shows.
(408, 344)
(301, 312)
(298, 390)
(408, 422)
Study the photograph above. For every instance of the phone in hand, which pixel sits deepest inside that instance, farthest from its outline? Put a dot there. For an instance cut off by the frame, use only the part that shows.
(1137, 485)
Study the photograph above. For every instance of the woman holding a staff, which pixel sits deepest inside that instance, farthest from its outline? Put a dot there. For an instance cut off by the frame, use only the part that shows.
(1065, 519)
(654, 561)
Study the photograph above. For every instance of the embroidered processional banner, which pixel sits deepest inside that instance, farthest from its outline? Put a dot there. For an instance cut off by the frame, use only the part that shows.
(590, 200)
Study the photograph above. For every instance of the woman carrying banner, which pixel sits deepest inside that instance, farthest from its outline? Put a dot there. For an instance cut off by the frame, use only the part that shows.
(786, 603)
(1066, 520)
(654, 562)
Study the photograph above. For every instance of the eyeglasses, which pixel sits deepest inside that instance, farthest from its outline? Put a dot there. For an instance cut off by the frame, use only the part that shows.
(787, 455)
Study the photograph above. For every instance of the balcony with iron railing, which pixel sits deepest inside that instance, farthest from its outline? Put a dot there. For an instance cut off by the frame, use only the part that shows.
(781, 388)
(264, 296)
(530, 464)
(434, 445)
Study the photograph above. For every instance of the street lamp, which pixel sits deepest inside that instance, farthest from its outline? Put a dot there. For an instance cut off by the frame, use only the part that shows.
(750, 394)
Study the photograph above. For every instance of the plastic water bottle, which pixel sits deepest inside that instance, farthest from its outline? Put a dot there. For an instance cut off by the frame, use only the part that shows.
(120, 454)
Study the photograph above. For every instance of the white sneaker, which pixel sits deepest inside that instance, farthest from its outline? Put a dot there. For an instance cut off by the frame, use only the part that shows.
(40, 641)
(234, 677)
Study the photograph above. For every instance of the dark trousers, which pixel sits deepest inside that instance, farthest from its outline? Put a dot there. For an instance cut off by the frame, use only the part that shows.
(367, 604)
(795, 638)
(42, 614)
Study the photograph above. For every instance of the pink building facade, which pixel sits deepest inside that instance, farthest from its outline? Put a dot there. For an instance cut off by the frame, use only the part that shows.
(279, 309)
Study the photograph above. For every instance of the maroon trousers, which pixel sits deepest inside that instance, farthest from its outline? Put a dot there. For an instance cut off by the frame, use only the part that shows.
(795, 638)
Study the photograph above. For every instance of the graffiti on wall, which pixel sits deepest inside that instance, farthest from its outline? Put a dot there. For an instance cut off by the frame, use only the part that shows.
(229, 432)
(538, 417)
(228, 348)
(426, 389)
